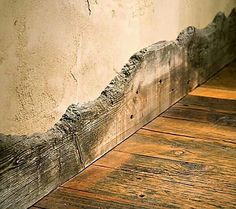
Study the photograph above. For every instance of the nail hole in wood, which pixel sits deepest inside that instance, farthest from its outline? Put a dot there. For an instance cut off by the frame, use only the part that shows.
(131, 117)
(138, 178)
(188, 82)
(172, 89)
(160, 81)
(142, 195)
(137, 92)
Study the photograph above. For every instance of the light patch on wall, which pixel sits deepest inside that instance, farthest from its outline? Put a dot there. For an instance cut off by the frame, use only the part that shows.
(53, 53)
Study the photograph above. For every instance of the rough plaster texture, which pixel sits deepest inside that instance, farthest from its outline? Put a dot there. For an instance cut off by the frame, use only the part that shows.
(55, 53)
(153, 80)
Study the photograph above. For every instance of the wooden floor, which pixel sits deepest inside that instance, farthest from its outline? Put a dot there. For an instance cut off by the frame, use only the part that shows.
(186, 158)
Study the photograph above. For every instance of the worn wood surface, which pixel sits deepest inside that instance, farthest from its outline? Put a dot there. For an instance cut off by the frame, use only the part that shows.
(221, 87)
(183, 159)
(40, 166)
(154, 78)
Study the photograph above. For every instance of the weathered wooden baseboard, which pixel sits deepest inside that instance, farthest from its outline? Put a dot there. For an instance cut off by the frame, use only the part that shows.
(153, 80)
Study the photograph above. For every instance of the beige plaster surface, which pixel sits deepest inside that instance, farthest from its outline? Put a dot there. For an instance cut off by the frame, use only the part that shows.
(57, 52)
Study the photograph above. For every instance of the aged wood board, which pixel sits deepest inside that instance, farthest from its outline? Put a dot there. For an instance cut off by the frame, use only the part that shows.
(183, 159)
(154, 79)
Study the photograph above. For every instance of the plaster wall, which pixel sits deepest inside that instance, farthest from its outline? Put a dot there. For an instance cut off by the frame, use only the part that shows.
(55, 53)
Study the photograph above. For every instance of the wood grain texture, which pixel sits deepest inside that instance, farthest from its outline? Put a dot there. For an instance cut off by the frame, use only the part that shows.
(31, 168)
(224, 80)
(208, 104)
(149, 182)
(201, 115)
(170, 146)
(222, 86)
(193, 129)
(66, 198)
(183, 159)
(215, 93)
(154, 79)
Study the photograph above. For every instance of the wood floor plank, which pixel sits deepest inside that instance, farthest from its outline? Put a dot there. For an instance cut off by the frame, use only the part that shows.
(193, 129)
(225, 79)
(66, 198)
(146, 182)
(156, 190)
(208, 104)
(202, 175)
(221, 86)
(150, 180)
(195, 168)
(181, 148)
(200, 115)
(214, 93)
(98, 183)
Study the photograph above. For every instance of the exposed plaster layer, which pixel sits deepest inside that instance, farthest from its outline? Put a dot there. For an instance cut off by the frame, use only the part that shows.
(153, 79)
